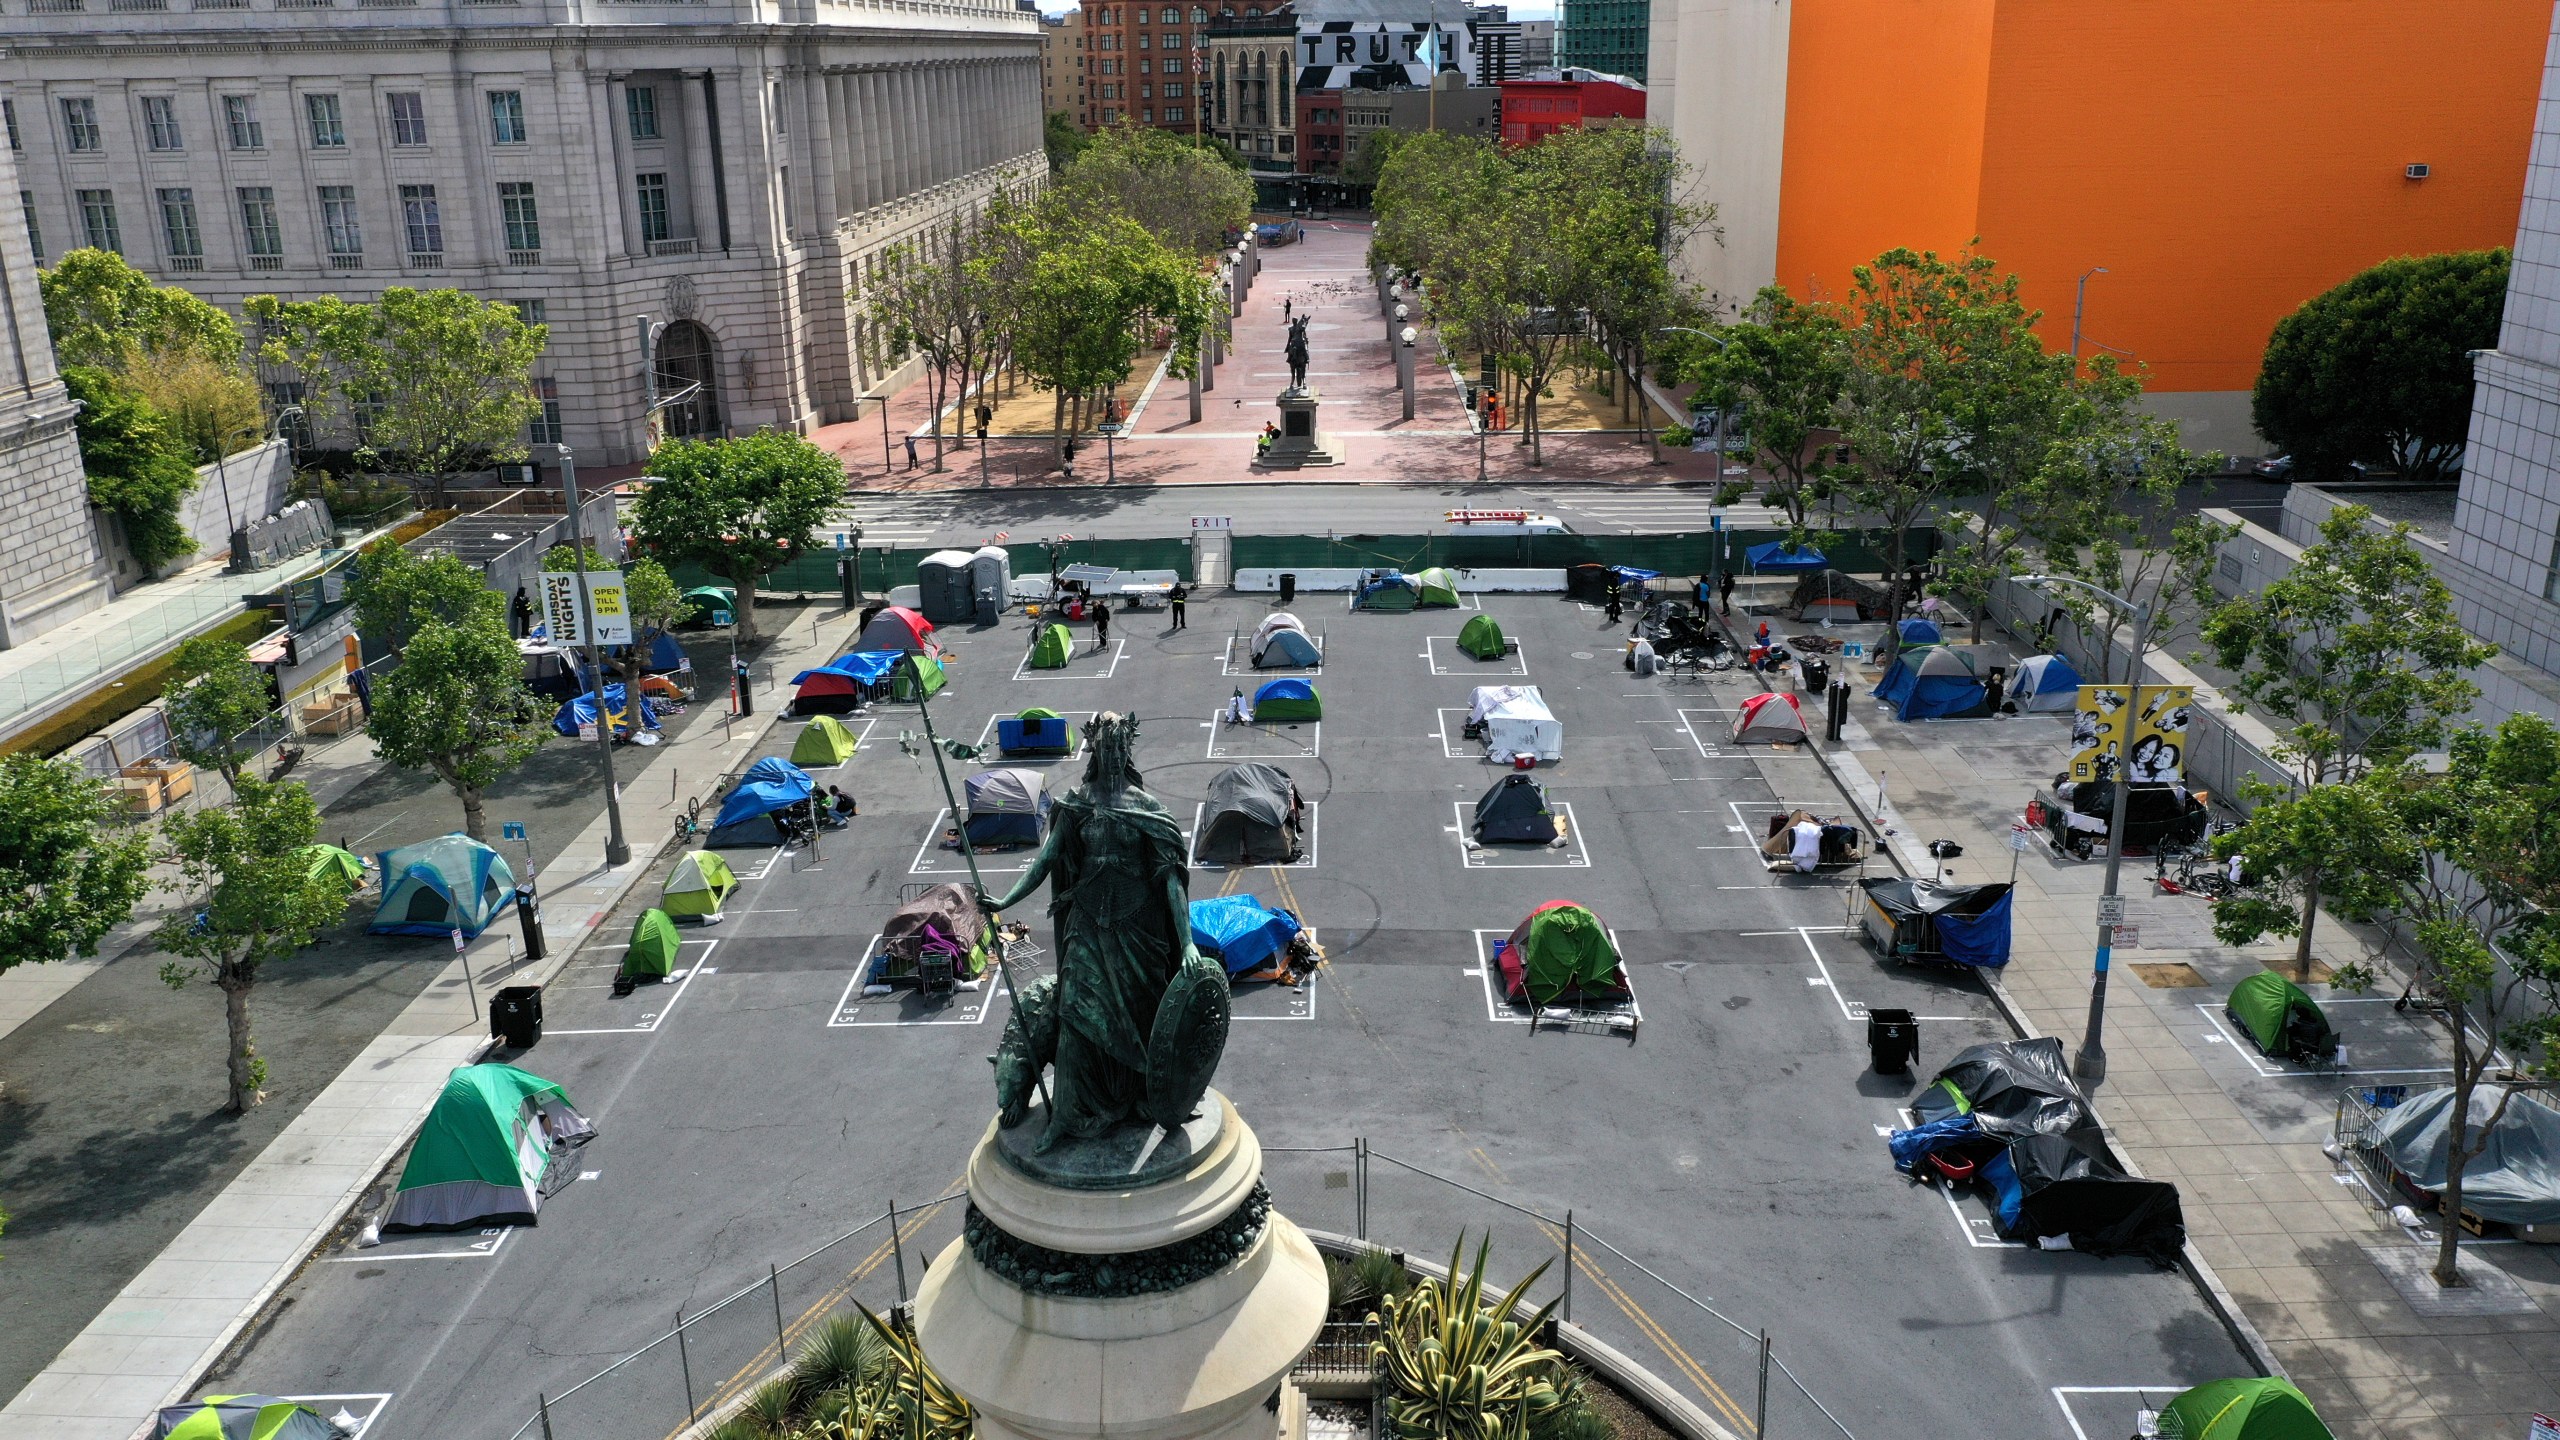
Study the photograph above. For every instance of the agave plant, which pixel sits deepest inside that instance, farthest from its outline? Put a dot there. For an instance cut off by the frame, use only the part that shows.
(1458, 1369)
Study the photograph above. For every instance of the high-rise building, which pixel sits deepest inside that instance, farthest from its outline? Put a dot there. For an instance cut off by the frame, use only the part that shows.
(2239, 159)
(1497, 41)
(1611, 36)
(50, 566)
(1537, 45)
(1062, 83)
(1144, 62)
(595, 161)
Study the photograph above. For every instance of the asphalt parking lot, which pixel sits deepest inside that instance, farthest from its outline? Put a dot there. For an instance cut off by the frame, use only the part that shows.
(757, 1105)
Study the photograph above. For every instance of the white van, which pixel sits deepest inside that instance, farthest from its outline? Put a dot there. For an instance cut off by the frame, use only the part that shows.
(1505, 522)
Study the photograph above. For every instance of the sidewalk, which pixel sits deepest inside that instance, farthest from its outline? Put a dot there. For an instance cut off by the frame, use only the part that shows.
(176, 1317)
(2326, 1286)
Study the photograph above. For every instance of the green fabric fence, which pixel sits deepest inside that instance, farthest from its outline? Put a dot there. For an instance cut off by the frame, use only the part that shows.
(815, 573)
(1684, 553)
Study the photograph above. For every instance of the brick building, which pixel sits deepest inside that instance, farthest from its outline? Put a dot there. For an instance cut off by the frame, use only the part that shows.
(1537, 106)
(1143, 63)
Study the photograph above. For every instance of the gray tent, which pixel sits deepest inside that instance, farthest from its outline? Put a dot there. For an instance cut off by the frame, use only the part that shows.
(947, 909)
(1832, 595)
(1251, 817)
(2516, 1180)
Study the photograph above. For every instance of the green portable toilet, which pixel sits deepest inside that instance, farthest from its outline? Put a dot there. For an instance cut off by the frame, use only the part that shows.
(1482, 639)
(698, 886)
(903, 679)
(823, 742)
(652, 952)
(2250, 1409)
(1053, 647)
(241, 1417)
(1439, 588)
(2283, 1021)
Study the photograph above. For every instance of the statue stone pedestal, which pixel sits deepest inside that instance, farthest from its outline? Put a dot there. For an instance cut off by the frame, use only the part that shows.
(1300, 443)
(1135, 1286)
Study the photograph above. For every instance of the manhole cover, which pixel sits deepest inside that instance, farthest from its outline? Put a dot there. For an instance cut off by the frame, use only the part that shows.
(1583, 655)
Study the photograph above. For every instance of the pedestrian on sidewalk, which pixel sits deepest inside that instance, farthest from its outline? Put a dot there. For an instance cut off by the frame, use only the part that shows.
(520, 613)
(1175, 597)
(911, 452)
(1287, 307)
(1724, 592)
(1101, 624)
(985, 415)
(1617, 604)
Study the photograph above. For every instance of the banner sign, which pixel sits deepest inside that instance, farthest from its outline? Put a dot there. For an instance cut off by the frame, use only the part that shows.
(2157, 738)
(561, 612)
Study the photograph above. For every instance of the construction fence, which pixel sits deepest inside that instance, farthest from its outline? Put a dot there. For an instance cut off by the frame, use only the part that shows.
(1691, 552)
(818, 572)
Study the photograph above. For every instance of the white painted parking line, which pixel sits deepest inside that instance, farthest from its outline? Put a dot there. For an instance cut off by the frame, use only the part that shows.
(931, 858)
(484, 1246)
(1850, 1010)
(1307, 861)
(1501, 1011)
(1264, 742)
(1081, 719)
(651, 1019)
(1458, 662)
(2109, 1419)
(1078, 667)
(1227, 660)
(1979, 1231)
(1499, 856)
(365, 1409)
(855, 1009)
(2274, 1070)
(860, 738)
(1301, 1002)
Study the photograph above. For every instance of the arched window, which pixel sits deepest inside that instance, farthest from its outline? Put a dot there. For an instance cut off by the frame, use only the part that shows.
(687, 355)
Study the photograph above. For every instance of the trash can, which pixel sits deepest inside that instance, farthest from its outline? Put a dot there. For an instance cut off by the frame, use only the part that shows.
(515, 1016)
(1893, 1040)
(1288, 586)
(1816, 674)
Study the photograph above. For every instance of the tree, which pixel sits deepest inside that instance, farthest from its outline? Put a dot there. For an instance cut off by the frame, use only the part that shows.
(1369, 157)
(649, 594)
(2466, 864)
(1188, 196)
(457, 705)
(2379, 368)
(1781, 369)
(2358, 650)
(212, 409)
(737, 508)
(215, 697)
(937, 294)
(103, 313)
(250, 896)
(1063, 139)
(398, 593)
(1080, 294)
(139, 468)
(440, 380)
(64, 882)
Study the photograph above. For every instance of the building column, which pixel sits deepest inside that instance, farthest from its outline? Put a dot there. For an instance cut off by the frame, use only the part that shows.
(913, 146)
(937, 91)
(894, 159)
(699, 191)
(819, 136)
(840, 150)
(627, 201)
(875, 173)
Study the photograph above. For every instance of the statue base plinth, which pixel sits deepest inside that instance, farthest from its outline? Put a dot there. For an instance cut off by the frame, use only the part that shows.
(1301, 443)
(1195, 1360)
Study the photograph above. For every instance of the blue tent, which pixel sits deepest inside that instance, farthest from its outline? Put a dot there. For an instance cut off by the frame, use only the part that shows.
(1919, 632)
(1287, 698)
(665, 652)
(434, 887)
(581, 710)
(747, 812)
(1777, 558)
(2045, 682)
(869, 667)
(1242, 932)
(1934, 682)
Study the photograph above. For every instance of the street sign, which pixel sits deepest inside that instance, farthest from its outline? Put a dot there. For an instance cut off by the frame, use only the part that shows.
(2111, 910)
(1213, 522)
(511, 830)
(458, 945)
(2128, 937)
(843, 540)
(2018, 837)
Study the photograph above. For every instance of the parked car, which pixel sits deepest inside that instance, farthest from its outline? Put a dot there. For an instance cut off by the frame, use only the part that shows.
(2275, 467)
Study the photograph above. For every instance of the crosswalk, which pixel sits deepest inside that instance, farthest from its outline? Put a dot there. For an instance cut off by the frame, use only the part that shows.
(1651, 512)
(899, 524)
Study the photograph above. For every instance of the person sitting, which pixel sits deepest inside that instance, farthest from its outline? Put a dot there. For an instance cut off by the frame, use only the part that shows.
(844, 807)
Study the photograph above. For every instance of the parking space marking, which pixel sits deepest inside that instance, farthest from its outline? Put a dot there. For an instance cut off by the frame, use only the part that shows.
(2248, 1051)
(1850, 1010)
(966, 1007)
(1512, 856)
(931, 861)
(481, 1249)
(1519, 659)
(1501, 1011)
(2107, 1428)
(987, 738)
(1199, 814)
(1301, 1002)
(1271, 742)
(366, 1408)
(860, 737)
(1227, 660)
(772, 858)
(650, 1020)
(1022, 668)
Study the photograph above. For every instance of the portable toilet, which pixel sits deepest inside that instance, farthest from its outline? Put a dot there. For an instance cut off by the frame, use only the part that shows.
(942, 587)
(990, 581)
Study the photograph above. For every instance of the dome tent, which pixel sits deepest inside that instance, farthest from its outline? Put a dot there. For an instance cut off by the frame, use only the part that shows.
(1052, 647)
(2045, 683)
(823, 744)
(1935, 682)
(434, 887)
(843, 684)
(241, 1417)
(902, 679)
(1516, 810)
(1006, 808)
(2280, 1019)
(747, 812)
(896, 629)
(708, 605)
(944, 920)
(1281, 642)
(485, 1150)
(329, 859)
(1439, 589)
(1388, 590)
(1251, 817)
(2251, 1408)
(1774, 718)
(1560, 950)
(1284, 700)
(651, 955)
(698, 886)
(1482, 639)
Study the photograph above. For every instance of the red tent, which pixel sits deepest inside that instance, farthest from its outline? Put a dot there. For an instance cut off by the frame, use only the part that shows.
(897, 629)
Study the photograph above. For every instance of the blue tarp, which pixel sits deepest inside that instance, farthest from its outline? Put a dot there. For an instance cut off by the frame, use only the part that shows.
(1288, 687)
(1775, 556)
(1977, 939)
(581, 710)
(1919, 632)
(770, 784)
(1631, 575)
(2008, 1197)
(1941, 1134)
(1241, 931)
(870, 667)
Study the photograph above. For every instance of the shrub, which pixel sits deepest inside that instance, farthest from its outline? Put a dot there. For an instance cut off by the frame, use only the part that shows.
(138, 467)
(1678, 436)
(1457, 1368)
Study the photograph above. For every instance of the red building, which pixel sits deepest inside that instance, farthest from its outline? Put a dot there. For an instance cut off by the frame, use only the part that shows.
(1570, 99)
(1143, 63)
(1321, 149)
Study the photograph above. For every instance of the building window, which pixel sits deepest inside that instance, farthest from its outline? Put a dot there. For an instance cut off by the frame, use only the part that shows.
(328, 123)
(1172, 16)
(98, 221)
(653, 209)
(1173, 64)
(506, 117)
(532, 312)
(179, 231)
(35, 232)
(80, 125)
(642, 102)
(423, 222)
(1151, 114)
(1143, 37)
(1173, 92)
(1173, 114)
(408, 118)
(781, 117)
(524, 225)
(9, 114)
(240, 116)
(259, 232)
(546, 428)
(160, 123)
(345, 231)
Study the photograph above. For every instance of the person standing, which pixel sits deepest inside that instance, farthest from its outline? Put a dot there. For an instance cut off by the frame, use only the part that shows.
(1101, 624)
(911, 452)
(1288, 308)
(1175, 597)
(1724, 592)
(1617, 603)
(985, 415)
(520, 613)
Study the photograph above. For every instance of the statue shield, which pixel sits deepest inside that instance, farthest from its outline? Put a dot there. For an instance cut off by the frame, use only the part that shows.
(1190, 1033)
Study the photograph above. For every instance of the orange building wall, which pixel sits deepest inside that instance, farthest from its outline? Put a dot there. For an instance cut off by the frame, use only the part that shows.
(2225, 161)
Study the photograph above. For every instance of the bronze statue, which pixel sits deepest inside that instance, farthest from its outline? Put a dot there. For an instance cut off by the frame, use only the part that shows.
(1297, 353)
(1132, 1024)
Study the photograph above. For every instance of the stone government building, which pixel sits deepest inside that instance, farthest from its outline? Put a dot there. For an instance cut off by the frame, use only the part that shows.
(728, 168)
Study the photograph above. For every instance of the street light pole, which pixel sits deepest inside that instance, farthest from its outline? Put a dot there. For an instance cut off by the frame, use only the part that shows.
(617, 847)
(1718, 342)
(2079, 304)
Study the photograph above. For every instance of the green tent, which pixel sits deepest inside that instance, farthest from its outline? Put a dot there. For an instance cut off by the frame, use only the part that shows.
(823, 742)
(2251, 1409)
(698, 886)
(1481, 638)
(1439, 587)
(241, 1417)
(480, 1158)
(652, 952)
(330, 860)
(903, 679)
(1561, 949)
(1051, 650)
(2282, 1020)
(707, 605)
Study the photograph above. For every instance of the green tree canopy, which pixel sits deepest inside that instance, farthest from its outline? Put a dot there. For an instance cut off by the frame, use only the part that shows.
(398, 593)
(737, 507)
(2379, 368)
(1780, 369)
(104, 313)
(65, 881)
(140, 469)
(1187, 196)
(215, 697)
(1062, 138)
(457, 705)
(1082, 290)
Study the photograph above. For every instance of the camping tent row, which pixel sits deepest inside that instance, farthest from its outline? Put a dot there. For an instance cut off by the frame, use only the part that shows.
(1038, 730)
(1481, 638)
(1773, 718)
(853, 680)
(1286, 700)
(484, 1154)
(1008, 809)
(750, 813)
(2009, 1113)
(1935, 682)
(1515, 811)
(964, 586)
(1253, 817)
(1560, 952)
(823, 743)
(1281, 642)
(943, 924)
(1395, 590)
(1248, 937)
(438, 886)
(1514, 721)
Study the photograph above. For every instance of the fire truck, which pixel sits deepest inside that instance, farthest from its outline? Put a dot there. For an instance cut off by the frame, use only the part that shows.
(1505, 522)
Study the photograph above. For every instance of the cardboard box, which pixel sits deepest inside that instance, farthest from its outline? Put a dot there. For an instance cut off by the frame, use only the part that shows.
(177, 778)
(332, 714)
(137, 795)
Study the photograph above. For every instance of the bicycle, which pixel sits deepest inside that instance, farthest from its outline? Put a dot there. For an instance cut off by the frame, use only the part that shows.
(689, 820)
(2197, 873)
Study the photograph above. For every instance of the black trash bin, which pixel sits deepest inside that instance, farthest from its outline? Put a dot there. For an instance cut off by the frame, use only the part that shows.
(1288, 586)
(1893, 1040)
(1816, 673)
(515, 1016)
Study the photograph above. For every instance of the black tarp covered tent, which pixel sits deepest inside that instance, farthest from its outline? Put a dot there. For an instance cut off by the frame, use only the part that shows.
(1515, 810)
(2011, 1088)
(1924, 920)
(1833, 595)
(1252, 817)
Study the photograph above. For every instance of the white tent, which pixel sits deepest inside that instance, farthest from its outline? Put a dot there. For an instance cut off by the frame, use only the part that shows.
(2045, 682)
(1285, 631)
(1516, 722)
(1774, 718)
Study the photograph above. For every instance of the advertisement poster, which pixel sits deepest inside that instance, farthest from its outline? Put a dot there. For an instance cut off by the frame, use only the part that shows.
(560, 607)
(2158, 738)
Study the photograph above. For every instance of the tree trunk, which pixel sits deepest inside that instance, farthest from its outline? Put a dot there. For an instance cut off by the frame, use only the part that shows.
(1529, 423)
(474, 822)
(242, 1061)
(2310, 914)
(1058, 426)
(941, 400)
(747, 612)
(2457, 1152)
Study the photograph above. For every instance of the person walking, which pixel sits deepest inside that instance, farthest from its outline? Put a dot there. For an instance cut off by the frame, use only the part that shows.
(911, 452)
(1724, 592)
(1617, 604)
(1288, 308)
(1101, 624)
(1175, 597)
(985, 415)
